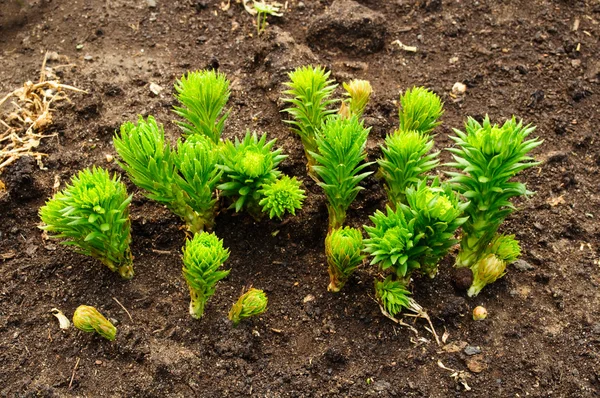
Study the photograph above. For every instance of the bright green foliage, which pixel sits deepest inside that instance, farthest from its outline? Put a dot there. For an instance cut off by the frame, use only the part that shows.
(89, 320)
(202, 257)
(252, 303)
(394, 243)
(262, 10)
(405, 161)
(343, 248)
(392, 295)
(92, 213)
(309, 96)
(488, 156)
(178, 179)
(197, 159)
(436, 211)
(280, 196)
(248, 165)
(503, 250)
(341, 152)
(204, 94)
(358, 93)
(420, 110)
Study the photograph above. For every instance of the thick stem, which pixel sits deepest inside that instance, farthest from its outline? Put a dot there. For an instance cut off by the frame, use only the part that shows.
(477, 234)
(337, 279)
(197, 303)
(337, 216)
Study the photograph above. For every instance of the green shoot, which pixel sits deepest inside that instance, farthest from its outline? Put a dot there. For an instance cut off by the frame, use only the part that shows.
(503, 250)
(247, 166)
(392, 295)
(489, 156)
(420, 110)
(89, 320)
(343, 248)
(92, 213)
(341, 152)
(309, 96)
(262, 10)
(202, 257)
(358, 93)
(280, 196)
(180, 180)
(252, 303)
(405, 162)
(203, 94)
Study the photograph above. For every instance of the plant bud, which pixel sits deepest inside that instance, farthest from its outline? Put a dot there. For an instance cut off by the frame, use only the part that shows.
(253, 302)
(88, 319)
(479, 313)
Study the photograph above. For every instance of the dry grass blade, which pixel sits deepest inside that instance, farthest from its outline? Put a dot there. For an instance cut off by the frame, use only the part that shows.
(30, 115)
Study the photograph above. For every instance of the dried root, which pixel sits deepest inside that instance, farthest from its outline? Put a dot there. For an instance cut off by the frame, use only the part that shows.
(30, 116)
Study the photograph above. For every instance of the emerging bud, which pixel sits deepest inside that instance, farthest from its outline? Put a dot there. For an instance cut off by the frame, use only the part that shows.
(88, 319)
(359, 93)
(253, 302)
(486, 271)
(479, 313)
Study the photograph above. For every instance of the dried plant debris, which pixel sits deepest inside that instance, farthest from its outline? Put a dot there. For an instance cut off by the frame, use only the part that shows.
(22, 125)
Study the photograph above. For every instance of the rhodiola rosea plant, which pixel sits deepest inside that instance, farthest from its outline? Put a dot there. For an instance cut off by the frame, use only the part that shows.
(92, 215)
(488, 156)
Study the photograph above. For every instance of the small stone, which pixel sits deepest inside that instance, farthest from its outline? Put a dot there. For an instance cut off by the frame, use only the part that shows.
(98, 362)
(79, 47)
(109, 157)
(576, 63)
(300, 6)
(155, 89)
(459, 88)
(88, 58)
(151, 3)
(523, 265)
(308, 298)
(381, 385)
(472, 350)
(453, 60)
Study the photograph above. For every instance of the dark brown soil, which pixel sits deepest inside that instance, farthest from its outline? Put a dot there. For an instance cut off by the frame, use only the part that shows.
(542, 335)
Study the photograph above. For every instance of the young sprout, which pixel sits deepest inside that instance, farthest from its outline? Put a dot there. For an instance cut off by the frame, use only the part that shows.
(435, 212)
(392, 296)
(358, 93)
(406, 160)
(204, 94)
(203, 255)
(262, 10)
(309, 96)
(89, 320)
(488, 157)
(503, 250)
(280, 196)
(343, 248)
(252, 303)
(248, 165)
(341, 152)
(183, 180)
(92, 213)
(420, 110)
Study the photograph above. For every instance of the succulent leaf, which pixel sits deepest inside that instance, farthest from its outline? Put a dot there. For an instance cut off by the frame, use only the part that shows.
(92, 213)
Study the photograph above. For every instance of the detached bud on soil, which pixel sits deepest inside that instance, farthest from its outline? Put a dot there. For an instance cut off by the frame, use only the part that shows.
(479, 313)
(252, 303)
(88, 319)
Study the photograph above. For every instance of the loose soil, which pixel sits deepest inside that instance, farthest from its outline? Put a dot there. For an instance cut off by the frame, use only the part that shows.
(536, 59)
